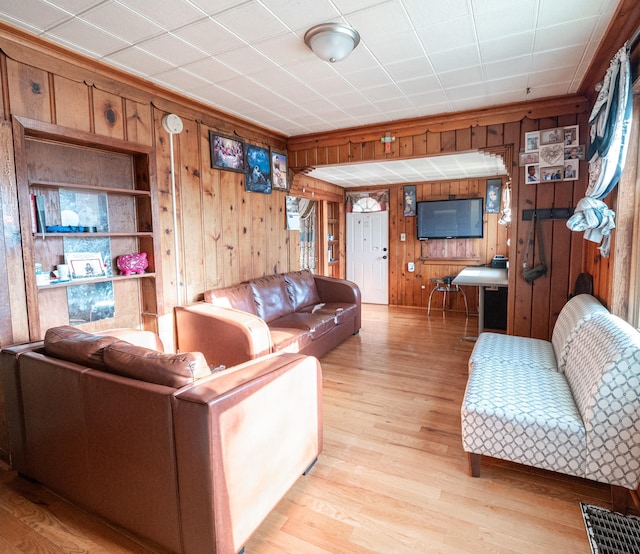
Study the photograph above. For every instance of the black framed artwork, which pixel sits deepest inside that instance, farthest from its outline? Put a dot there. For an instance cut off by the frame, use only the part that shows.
(226, 152)
(257, 169)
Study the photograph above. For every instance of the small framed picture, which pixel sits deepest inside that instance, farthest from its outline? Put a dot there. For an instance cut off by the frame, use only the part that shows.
(85, 265)
(552, 136)
(571, 135)
(533, 173)
(574, 153)
(527, 158)
(226, 152)
(258, 169)
(409, 195)
(552, 173)
(494, 188)
(532, 141)
(279, 173)
(571, 169)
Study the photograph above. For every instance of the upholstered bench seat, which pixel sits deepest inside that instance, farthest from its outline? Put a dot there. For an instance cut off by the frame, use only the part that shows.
(495, 348)
(525, 416)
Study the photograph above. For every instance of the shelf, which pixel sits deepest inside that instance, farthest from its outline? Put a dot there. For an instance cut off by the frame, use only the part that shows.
(99, 280)
(92, 235)
(92, 188)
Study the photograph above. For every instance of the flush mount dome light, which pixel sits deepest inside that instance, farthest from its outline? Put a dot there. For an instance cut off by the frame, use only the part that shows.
(332, 42)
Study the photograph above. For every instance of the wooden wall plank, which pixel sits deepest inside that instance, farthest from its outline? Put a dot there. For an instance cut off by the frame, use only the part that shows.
(211, 216)
(29, 93)
(72, 103)
(108, 113)
(139, 128)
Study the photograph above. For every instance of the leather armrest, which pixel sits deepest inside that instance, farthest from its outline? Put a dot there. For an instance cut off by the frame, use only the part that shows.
(243, 437)
(340, 290)
(225, 336)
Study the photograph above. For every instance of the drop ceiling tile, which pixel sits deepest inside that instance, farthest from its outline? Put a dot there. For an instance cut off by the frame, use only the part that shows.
(517, 83)
(90, 38)
(383, 92)
(561, 75)
(140, 61)
(179, 78)
(420, 84)
(285, 49)
(509, 67)
(245, 60)
(389, 50)
(368, 78)
(494, 21)
(209, 36)
(553, 11)
(565, 34)
(562, 57)
(172, 49)
(467, 92)
(300, 14)
(121, 22)
(384, 18)
(435, 13)
(455, 58)
(251, 22)
(409, 69)
(37, 16)
(512, 46)
(168, 14)
(461, 77)
(439, 37)
(212, 70)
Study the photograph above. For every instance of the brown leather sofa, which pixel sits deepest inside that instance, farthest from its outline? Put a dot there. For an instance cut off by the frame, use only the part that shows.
(191, 460)
(286, 312)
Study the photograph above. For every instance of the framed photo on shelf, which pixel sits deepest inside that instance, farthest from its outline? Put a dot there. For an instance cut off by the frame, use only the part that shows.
(258, 169)
(85, 265)
(279, 172)
(226, 152)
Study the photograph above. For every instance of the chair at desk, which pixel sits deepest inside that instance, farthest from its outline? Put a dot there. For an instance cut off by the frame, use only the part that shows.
(445, 285)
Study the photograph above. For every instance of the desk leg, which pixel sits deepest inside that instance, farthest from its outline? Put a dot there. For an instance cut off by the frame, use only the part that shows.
(480, 309)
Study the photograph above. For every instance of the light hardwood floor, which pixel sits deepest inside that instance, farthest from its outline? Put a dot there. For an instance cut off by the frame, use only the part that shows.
(392, 477)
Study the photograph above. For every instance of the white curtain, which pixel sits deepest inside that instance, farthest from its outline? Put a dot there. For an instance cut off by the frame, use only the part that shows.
(609, 127)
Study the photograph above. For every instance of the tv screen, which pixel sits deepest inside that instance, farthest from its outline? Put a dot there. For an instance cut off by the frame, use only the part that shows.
(450, 219)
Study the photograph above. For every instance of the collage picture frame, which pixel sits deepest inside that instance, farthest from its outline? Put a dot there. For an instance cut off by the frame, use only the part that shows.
(552, 155)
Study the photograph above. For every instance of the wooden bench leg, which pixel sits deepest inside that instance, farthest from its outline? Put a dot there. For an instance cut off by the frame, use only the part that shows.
(474, 464)
(619, 499)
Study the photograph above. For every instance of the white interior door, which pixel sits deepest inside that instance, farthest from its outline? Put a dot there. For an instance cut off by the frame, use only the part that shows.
(368, 254)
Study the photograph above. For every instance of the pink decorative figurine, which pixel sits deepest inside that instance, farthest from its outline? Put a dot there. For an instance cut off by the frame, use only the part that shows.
(132, 263)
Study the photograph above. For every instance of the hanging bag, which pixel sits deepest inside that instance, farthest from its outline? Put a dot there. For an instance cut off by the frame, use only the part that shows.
(530, 274)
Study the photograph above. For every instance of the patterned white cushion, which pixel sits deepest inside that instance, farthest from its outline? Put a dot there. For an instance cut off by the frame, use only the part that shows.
(574, 314)
(509, 350)
(603, 370)
(523, 415)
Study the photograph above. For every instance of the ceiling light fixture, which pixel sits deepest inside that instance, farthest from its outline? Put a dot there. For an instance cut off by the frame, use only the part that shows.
(332, 42)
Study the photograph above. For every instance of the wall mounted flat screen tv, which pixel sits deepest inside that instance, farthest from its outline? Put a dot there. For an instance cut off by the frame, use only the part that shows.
(450, 219)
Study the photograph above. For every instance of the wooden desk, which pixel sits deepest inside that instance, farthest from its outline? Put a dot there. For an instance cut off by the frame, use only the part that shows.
(482, 277)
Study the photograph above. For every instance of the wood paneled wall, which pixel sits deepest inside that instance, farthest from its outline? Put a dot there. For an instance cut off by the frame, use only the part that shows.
(225, 234)
(532, 309)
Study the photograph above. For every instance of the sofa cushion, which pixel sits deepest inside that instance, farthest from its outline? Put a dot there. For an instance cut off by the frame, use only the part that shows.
(75, 345)
(289, 340)
(340, 311)
(144, 364)
(271, 297)
(302, 288)
(317, 324)
(238, 297)
(510, 350)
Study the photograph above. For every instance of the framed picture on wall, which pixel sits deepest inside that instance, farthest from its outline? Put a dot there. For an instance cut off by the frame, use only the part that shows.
(532, 141)
(279, 173)
(226, 152)
(409, 195)
(494, 189)
(258, 169)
